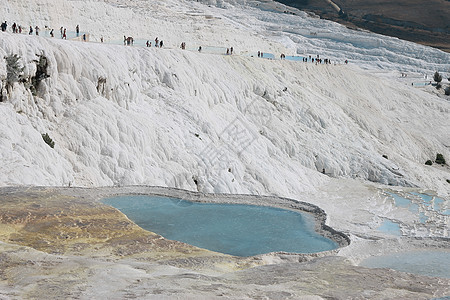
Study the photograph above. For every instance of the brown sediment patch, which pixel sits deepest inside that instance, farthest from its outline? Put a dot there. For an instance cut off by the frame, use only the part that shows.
(49, 220)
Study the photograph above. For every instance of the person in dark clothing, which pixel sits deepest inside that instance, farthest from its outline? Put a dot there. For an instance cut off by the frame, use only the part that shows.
(77, 29)
(31, 30)
(4, 26)
(161, 44)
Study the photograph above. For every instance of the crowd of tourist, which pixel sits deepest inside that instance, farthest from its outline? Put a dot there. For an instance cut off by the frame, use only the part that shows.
(129, 41)
(16, 28)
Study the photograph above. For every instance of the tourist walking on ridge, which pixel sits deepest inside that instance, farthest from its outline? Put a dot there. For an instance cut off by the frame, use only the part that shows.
(129, 41)
(183, 45)
(200, 49)
(161, 44)
(14, 28)
(77, 29)
(101, 39)
(37, 30)
(61, 30)
(231, 50)
(31, 30)
(4, 26)
(64, 36)
(156, 42)
(124, 40)
(51, 33)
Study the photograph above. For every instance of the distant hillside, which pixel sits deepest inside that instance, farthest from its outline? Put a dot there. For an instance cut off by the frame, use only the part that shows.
(423, 22)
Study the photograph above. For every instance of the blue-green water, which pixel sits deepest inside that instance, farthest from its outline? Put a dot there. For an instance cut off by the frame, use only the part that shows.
(436, 203)
(415, 203)
(430, 263)
(390, 227)
(241, 230)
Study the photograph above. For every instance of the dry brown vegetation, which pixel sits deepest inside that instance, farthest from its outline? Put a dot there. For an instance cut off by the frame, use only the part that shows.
(423, 22)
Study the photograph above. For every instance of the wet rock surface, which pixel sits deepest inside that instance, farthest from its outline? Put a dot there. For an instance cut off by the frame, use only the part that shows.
(63, 243)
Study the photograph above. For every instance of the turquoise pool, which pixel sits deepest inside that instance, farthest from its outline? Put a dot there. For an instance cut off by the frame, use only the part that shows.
(390, 227)
(240, 230)
(430, 263)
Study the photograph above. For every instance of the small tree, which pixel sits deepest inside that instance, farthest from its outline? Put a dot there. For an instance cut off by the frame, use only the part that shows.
(14, 71)
(440, 159)
(437, 77)
(41, 72)
(48, 140)
(429, 163)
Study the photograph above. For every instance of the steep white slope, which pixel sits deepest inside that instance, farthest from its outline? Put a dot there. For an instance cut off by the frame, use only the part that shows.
(212, 123)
